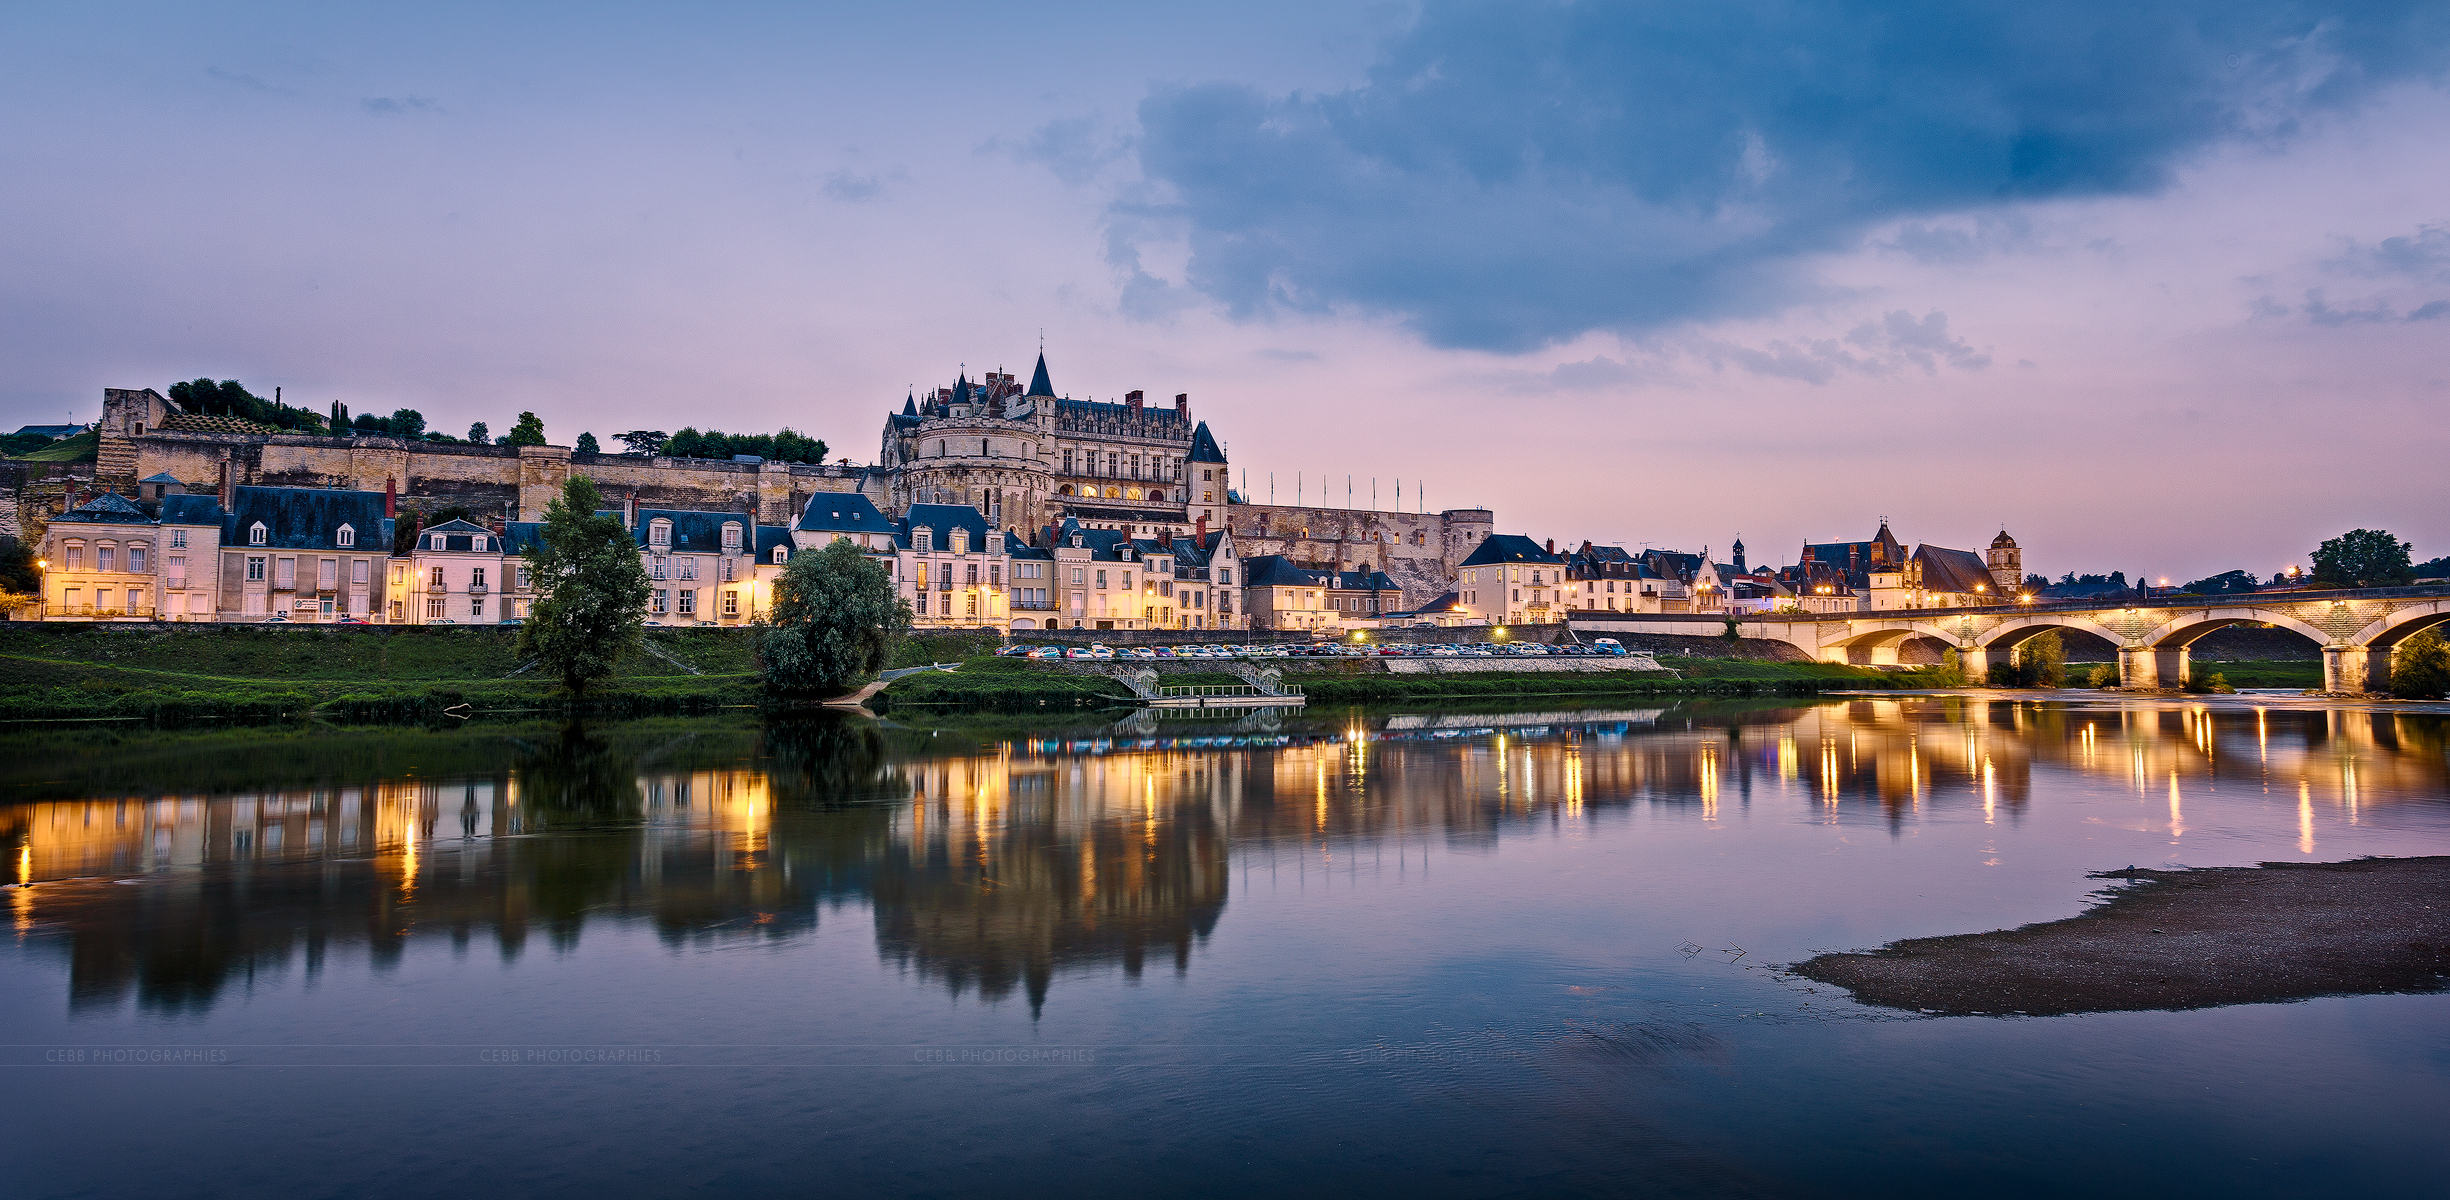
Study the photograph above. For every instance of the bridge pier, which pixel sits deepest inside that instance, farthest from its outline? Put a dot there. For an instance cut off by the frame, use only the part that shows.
(2353, 669)
(1977, 663)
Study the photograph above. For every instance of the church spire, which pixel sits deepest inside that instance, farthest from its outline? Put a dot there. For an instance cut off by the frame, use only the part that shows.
(1039, 384)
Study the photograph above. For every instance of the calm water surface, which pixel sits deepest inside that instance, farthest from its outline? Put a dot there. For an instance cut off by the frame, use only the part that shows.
(1375, 953)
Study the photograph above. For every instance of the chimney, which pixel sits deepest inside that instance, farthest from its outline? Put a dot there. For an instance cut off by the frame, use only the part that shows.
(391, 497)
(1203, 528)
(229, 490)
(1182, 405)
(629, 511)
(1552, 545)
(1133, 399)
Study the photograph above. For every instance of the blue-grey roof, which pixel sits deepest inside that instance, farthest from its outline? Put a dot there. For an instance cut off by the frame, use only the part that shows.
(1275, 570)
(1039, 384)
(54, 432)
(525, 536)
(1508, 548)
(695, 531)
(204, 510)
(842, 512)
(109, 507)
(162, 477)
(459, 535)
(942, 520)
(307, 518)
(1203, 446)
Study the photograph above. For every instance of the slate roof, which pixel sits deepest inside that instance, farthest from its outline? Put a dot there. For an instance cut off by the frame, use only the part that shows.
(54, 432)
(107, 508)
(1946, 570)
(1276, 570)
(524, 537)
(941, 520)
(1039, 384)
(1507, 548)
(163, 477)
(206, 510)
(459, 535)
(695, 531)
(842, 512)
(1203, 446)
(307, 518)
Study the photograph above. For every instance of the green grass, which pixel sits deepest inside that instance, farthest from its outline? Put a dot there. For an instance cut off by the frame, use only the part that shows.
(2261, 674)
(84, 447)
(251, 673)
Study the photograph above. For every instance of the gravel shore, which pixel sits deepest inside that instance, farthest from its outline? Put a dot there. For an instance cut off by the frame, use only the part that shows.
(2190, 938)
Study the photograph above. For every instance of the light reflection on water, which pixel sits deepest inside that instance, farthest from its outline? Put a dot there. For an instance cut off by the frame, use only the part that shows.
(1407, 918)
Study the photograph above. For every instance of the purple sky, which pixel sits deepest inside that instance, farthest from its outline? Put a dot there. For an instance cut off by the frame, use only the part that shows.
(2163, 292)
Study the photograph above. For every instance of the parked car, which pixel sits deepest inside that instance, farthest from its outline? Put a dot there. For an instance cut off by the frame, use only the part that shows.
(357, 621)
(1080, 652)
(1607, 646)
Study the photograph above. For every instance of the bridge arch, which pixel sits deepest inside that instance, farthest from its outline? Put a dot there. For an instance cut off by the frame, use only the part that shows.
(1881, 643)
(2185, 629)
(2390, 629)
(2014, 632)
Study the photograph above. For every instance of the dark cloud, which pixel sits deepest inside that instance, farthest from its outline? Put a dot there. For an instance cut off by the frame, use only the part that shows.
(1511, 175)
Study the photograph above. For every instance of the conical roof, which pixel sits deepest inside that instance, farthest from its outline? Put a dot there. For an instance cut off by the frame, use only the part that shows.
(1039, 384)
(910, 405)
(961, 389)
(1203, 446)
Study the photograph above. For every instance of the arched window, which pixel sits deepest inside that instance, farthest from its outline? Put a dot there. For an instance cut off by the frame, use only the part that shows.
(346, 535)
(1131, 493)
(1114, 493)
(1065, 490)
(1156, 493)
(256, 534)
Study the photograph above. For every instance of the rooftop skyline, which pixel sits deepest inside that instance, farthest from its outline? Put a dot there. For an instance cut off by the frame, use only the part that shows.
(2160, 292)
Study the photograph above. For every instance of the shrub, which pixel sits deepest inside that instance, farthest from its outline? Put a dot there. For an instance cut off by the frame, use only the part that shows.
(2421, 668)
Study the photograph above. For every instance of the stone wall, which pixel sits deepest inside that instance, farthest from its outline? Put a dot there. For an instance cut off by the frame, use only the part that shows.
(1420, 551)
(495, 481)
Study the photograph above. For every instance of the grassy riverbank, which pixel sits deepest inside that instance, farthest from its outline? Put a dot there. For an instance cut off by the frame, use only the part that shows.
(250, 673)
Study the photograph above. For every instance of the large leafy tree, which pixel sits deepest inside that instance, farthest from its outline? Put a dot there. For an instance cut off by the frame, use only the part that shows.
(587, 444)
(2363, 558)
(591, 592)
(2421, 669)
(529, 431)
(835, 621)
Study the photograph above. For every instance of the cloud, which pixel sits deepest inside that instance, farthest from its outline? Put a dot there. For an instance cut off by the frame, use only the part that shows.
(399, 106)
(2432, 311)
(1895, 342)
(1074, 149)
(247, 82)
(2423, 255)
(1513, 175)
(2319, 311)
(851, 189)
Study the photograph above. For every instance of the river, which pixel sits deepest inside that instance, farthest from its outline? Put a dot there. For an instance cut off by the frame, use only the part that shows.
(1332, 953)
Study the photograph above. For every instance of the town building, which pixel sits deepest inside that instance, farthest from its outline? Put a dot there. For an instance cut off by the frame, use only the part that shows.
(1510, 579)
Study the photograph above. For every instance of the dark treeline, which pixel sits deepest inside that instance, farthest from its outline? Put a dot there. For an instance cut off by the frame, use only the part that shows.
(785, 446)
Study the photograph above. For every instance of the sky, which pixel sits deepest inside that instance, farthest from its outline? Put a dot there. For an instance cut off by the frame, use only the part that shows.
(2161, 289)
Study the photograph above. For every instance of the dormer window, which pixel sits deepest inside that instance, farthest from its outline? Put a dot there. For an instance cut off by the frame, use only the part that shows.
(476, 543)
(922, 540)
(659, 532)
(961, 541)
(782, 554)
(256, 534)
(345, 536)
(731, 537)
(436, 542)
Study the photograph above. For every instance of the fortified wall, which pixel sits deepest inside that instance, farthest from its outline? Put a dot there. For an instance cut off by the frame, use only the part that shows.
(1420, 551)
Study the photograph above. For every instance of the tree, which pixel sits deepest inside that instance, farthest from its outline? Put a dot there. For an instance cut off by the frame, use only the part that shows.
(528, 432)
(406, 423)
(587, 444)
(1734, 632)
(591, 592)
(480, 435)
(835, 621)
(642, 441)
(2438, 568)
(2363, 558)
(2226, 581)
(21, 582)
(2042, 660)
(2421, 668)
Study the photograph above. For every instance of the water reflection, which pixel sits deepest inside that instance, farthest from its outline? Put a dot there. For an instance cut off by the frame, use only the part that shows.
(995, 861)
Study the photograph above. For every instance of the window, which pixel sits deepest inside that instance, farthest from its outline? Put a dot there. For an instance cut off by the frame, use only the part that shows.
(433, 609)
(1224, 576)
(1101, 579)
(658, 602)
(1076, 576)
(395, 610)
(255, 568)
(923, 540)
(920, 605)
(689, 602)
(961, 541)
(477, 544)
(969, 574)
(476, 606)
(782, 554)
(995, 575)
(399, 575)
(659, 533)
(476, 579)
(731, 537)
(256, 534)
(731, 602)
(359, 572)
(689, 568)
(178, 539)
(174, 570)
(345, 536)
(72, 597)
(437, 581)
(436, 542)
(527, 579)
(285, 574)
(136, 558)
(327, 574)
(104, 556)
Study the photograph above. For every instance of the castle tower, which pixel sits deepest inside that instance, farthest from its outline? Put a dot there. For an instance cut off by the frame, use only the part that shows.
(2007, 564)
(1205, 479)
(1738, 561)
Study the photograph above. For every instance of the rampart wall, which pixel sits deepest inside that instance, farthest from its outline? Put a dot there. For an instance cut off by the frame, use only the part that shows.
(1420, 551)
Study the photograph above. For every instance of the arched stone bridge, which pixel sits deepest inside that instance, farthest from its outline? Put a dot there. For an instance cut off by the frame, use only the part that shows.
(2358, 630)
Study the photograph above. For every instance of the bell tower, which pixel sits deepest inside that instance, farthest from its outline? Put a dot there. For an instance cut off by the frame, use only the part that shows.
(2007, 564)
